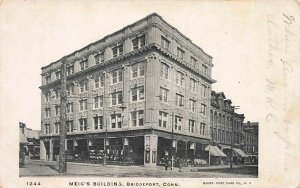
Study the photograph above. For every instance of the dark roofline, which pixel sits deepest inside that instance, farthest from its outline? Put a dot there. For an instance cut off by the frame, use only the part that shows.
(124, 28)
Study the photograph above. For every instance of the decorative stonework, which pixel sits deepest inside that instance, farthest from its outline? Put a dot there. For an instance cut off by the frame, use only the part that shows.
(137, 82)
(115, 87)
(136, 106)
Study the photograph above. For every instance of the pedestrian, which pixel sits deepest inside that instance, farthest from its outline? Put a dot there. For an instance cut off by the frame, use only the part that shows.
(166, 165)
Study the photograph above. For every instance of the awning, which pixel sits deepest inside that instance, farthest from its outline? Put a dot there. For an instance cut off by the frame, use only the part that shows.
(240, 152)
(215, 151)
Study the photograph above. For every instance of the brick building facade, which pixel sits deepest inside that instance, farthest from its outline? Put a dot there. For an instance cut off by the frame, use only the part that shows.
(140, 87)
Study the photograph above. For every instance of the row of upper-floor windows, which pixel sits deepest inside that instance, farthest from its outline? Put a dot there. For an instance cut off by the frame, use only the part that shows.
(182, 80)
(165, 71)
(225, 120)
(180, 101)
(221, 135)
(137, 94)
(181, 54)
(137, 70)
(136, 119)
(118, 50)
(179, 125)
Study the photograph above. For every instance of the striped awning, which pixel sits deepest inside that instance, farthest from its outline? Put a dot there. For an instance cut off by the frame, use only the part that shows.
(240, 152)
(215, 151)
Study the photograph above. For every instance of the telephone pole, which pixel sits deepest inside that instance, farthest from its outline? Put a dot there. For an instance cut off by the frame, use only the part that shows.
(62, 164)
(232, 135)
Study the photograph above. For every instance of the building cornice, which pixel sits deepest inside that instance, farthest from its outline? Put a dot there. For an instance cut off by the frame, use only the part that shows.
(147, 18)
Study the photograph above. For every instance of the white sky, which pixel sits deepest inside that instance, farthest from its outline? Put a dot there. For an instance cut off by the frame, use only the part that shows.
(36, 33)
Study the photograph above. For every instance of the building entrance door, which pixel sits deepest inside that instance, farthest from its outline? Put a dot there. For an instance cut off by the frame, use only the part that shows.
(83, 149)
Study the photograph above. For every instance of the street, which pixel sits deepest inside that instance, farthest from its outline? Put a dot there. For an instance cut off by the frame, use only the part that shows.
(48, 168)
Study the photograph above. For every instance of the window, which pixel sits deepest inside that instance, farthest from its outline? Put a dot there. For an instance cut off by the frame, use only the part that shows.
(204, 90)
(202, 128)
(137, 94)
(178, 123)
(57, 110)
(204, 69)
(117, 50)
(116, 121)
(57, 125)
(83, 124)
(179, 78)
(165, 43)
(138, 42)
(47, 128)
(47, 112)
(117, 98)
(193, 61)
(137, 118)
(98, 122)
(83, 86)
(163, 94)
(99, 58)
(192, 105)
(83, 64)
(70, 126)
(98, 102)
(193, 85)
(180, 53)
(191, 126)
(58, 75)
(57, 94)
(47, 96)
(163, 119)
(99, 81)
(179, 100)
(48, 79)
(203, 109)
(69, 108)
(83, 105)
(70, 70)
(70, 90)
(138, 70)
(117, 76)
(164, 71)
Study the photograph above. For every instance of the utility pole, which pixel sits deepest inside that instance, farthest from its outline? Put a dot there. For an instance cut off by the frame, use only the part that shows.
(232, 135)
(62, 164)
(105, 120)
(172, 157)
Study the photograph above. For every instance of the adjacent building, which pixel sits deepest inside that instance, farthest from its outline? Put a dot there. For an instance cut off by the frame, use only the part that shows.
(250, 142)
(226, 126)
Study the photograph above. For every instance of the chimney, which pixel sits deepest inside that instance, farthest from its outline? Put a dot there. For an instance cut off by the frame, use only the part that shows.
(22, 127)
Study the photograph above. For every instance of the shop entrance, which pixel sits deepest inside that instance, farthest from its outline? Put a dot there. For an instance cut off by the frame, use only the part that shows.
(82, 149)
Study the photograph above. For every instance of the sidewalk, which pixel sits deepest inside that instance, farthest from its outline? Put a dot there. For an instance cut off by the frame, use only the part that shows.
(49, 168)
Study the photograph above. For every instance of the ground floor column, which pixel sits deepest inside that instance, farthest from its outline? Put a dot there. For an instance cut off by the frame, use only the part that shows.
(51, 150)
(150, 153)
(43, 152)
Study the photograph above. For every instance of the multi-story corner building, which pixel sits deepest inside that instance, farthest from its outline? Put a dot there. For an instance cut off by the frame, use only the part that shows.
(226, 126)
(250, 138)
(140, 87)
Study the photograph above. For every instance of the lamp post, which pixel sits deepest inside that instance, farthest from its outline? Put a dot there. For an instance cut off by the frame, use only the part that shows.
(123, 107)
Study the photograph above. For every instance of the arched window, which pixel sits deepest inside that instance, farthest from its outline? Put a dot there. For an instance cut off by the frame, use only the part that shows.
(220, 118)
(223, 120)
